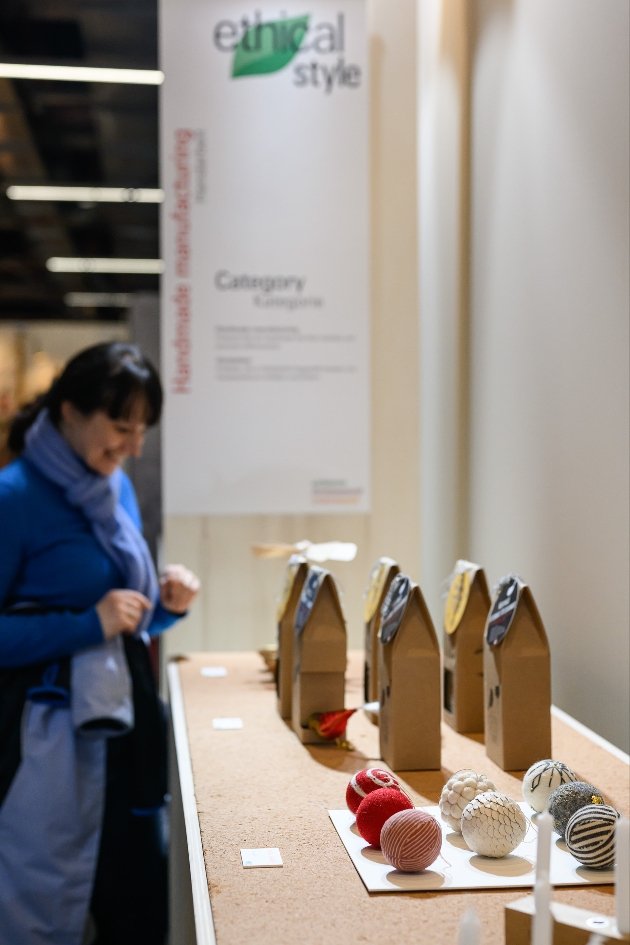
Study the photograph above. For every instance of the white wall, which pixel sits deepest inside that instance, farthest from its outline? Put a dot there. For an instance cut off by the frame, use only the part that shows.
(549, 328)
(236, 609)
(443, 205)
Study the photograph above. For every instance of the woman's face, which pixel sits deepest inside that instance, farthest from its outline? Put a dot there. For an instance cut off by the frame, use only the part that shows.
(103, 443)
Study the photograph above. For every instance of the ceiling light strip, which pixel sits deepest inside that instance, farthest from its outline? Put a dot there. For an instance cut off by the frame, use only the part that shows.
(154, 267)
(20, 70)
(98, 299)
(85, 194)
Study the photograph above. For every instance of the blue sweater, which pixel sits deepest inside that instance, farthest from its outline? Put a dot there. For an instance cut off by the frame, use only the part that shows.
(49, 554)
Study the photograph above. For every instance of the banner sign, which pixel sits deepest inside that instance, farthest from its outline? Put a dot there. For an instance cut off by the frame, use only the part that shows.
(265, 316)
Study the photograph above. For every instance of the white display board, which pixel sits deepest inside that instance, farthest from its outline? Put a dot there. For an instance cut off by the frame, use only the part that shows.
(459, 868)
(265, 316)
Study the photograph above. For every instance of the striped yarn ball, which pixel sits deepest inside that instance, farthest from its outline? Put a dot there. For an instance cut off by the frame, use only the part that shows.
(590, 836)
(411, 840)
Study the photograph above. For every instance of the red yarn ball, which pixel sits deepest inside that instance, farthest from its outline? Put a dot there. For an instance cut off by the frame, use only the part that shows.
(378, 807)
(365, 782)
(411, 840)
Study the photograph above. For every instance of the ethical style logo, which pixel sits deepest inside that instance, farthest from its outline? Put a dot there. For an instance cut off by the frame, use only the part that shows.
(262, 48)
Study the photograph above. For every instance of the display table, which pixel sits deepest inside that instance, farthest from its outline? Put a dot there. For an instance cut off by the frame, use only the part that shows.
(259, 787)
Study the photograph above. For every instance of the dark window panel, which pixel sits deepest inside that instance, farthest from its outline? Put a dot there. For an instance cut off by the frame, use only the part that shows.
(49, 39)
(93, 239)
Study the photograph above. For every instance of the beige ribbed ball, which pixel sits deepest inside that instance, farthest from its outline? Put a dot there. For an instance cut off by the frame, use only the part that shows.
(459, 790)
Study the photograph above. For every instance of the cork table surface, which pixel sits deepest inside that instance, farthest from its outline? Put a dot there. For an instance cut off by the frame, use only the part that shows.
(260, 787)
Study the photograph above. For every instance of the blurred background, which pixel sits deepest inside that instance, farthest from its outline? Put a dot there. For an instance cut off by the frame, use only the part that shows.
(80, 135)
(76, 133)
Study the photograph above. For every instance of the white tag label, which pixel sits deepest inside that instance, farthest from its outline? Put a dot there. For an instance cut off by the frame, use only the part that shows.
(213, 671)
(269, 857)
(371, 706)
(227, 723)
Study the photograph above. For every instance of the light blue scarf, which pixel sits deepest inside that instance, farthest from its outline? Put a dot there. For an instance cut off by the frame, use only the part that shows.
(97, 497)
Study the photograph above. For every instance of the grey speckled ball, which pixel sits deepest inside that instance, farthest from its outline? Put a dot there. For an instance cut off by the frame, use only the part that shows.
(568, 798)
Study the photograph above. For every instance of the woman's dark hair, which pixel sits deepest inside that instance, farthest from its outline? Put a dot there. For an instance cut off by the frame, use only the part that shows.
(111, 377)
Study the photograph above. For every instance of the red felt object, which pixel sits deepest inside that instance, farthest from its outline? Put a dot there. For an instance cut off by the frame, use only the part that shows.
(330, 725)
(411, 840)
(376, 808)
(364, 782)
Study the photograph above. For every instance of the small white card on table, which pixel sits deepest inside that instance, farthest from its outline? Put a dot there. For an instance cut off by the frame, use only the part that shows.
(226, 724)
(213, 671)
(267, 857)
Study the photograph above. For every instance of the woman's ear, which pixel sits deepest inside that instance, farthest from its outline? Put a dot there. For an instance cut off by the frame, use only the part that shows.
(69, 413)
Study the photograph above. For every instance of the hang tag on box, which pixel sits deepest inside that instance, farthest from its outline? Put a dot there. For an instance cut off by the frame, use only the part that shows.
(265, 857)
(227, 724)
(214, 672)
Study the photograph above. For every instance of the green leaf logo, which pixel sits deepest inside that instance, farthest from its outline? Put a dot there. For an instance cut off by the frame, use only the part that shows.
(269, 47)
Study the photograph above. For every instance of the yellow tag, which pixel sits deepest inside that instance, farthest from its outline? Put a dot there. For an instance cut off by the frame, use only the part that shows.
(375, 587)
(456, 601)
(289, 577)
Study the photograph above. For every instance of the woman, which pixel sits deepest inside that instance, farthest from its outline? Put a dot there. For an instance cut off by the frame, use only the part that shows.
(82, 740)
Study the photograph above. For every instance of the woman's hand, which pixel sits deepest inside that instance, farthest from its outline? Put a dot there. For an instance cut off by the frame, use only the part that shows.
(178, 588)
(121, 612)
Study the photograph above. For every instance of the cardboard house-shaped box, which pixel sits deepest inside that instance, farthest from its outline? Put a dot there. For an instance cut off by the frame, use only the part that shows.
(409, 681)
(295, 575)
(383, 573)
(465, 616)
(517, 679)
(319, 653)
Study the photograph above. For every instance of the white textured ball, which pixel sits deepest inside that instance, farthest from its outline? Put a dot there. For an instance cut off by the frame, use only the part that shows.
(542, 779)
(459, 790)
(493, 824)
